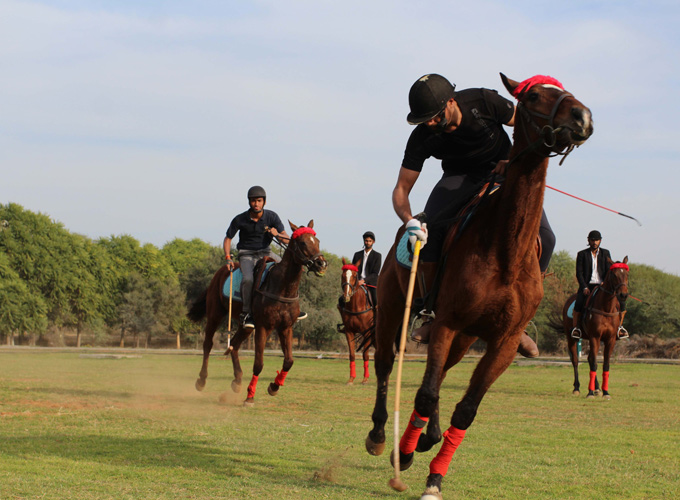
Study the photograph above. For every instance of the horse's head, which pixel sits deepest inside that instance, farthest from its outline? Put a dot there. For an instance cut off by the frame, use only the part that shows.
(305, 247)
(349, 279)
(616, 281)
(552, 119)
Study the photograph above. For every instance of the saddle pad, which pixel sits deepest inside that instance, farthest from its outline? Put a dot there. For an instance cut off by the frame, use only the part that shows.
(570, 310)
(237, 277)
(404, 253)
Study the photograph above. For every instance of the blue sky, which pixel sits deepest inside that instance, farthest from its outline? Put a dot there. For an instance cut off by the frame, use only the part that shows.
(154, 118)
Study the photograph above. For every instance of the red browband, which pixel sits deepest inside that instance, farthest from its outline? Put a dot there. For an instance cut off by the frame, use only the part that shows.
(536, 80)
(620, 265)
(350, 267)
(303, 230)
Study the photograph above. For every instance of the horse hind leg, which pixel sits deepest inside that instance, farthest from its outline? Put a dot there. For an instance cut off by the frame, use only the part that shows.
(573, 356)
(367, 359)
(210, 328)
(351, 345)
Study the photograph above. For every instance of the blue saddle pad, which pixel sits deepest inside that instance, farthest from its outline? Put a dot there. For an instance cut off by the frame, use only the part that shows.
(237, 277)
(570, 310)
(404, 253)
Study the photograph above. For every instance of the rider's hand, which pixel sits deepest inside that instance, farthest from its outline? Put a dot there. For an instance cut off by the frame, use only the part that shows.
(416, 232)
(586, 291)
(230, 263)
(360, 282)
(273, 232)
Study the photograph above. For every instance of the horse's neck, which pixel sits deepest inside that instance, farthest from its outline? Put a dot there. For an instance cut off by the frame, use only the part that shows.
(358, 301)
(605, 299)
(288, 274)
(518, 215)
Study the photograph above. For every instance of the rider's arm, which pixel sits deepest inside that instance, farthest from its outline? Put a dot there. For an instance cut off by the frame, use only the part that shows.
(407, 178)
(511, 121)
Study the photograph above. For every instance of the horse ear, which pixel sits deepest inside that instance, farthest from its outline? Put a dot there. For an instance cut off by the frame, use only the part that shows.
(511, 85)
(311, 223)
(292, 226)
(344, 261)
(625, 260)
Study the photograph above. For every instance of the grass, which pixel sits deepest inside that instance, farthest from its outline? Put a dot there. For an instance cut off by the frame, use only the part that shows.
(129, 428)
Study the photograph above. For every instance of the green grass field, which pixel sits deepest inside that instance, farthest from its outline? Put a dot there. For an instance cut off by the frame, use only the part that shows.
(80, 427)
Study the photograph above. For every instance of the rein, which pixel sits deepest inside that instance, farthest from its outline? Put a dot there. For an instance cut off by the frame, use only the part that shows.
(298, 256)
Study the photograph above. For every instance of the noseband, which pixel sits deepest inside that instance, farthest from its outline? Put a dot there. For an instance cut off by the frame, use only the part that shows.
(299, 256)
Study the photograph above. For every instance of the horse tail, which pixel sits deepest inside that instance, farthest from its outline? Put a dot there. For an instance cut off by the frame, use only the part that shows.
(198, 309)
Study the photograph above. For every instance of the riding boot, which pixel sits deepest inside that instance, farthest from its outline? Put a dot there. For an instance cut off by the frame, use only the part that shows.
(622, 333)
(428, 271)
(527, 347)
(576, 331)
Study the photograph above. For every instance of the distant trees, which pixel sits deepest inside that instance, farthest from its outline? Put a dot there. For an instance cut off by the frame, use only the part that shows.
(54, 281)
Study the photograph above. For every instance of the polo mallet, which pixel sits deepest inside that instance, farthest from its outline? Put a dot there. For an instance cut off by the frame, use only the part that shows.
(396, 483)
(231, 293)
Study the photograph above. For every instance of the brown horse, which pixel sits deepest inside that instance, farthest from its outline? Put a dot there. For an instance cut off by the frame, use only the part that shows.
(601, 320)
(357, 318)
(275, 306)
(491, 285)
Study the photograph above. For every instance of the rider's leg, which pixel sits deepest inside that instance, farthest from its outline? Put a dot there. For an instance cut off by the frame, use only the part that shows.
(247, 263)
(547, 243)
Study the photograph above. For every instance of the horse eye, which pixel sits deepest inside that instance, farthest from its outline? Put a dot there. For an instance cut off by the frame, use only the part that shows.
(533, 96)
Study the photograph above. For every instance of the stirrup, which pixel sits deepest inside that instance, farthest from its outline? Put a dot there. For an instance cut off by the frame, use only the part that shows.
(576, 333)
(426, 315)
(622, 333)
(302, 315)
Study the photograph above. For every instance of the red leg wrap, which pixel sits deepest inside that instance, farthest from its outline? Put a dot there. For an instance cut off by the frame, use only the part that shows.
(252, 386)
(366, 370)
(452, 439)
(352, 369)
(591, 385)
(280, 378)
(409, 440)
(605, 381)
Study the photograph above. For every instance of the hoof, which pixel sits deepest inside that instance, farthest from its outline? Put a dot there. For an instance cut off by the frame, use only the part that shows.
(364, 381)
(228, 351)
(590, 396)
(350, 381)
(373, 448)
(249, 402)
(273, 389)
(597, 392)
(432, 493)
(576, 392)
(223, 398)
(200, 384)
(405, 461)
(236, 386)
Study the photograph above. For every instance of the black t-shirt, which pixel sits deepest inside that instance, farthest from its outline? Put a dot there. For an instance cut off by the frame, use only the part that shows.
(251, 234)
(477, 143)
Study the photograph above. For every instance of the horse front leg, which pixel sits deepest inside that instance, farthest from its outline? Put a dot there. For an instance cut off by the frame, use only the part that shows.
(210, 328)
(498, 357)
(573, 356)
(593, 386)
(261, 335)
(608, 349)
(233, 350)
(286, 339)
(351, 345)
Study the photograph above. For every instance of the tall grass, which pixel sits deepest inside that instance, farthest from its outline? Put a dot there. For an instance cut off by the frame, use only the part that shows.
(131, 428)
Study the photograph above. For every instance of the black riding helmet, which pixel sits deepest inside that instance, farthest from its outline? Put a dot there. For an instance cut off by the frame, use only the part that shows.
(257, 192)
(428, 97)
(369, 234)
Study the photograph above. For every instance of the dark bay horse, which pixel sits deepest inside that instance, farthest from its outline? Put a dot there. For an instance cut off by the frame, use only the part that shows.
(492, 283)
(275, 306)
(601, 320)
(357, 318)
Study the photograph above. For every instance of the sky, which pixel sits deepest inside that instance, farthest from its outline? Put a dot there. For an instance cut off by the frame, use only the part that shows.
(153, 118)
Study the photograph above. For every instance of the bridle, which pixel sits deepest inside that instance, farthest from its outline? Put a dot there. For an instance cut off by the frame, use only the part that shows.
(547, 134)
(299, 256)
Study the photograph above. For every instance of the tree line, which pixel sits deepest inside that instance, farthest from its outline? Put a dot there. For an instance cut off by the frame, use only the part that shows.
(57, 285)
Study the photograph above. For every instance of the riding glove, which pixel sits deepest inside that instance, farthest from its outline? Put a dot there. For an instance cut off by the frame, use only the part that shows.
(416, 231)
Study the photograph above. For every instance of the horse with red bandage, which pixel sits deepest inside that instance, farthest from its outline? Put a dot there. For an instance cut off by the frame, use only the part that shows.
(358, 320)
(491, 284)
(275, 306)
(600, 323)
